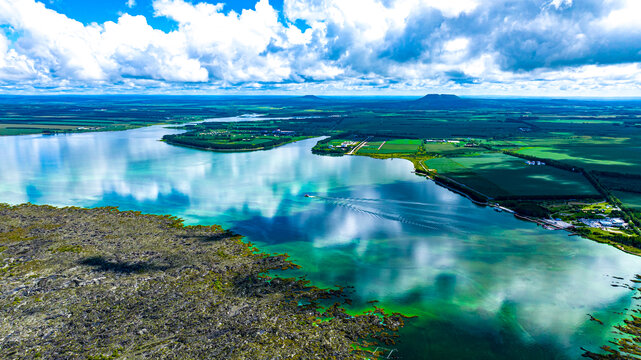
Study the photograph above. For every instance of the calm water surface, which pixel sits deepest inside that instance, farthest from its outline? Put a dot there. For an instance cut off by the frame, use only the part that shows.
(484, 285)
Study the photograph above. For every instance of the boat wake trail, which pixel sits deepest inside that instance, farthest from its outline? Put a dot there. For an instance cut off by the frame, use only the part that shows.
(425, 215)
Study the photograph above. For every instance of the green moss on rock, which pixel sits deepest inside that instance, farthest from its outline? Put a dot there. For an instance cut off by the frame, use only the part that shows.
(105, 284)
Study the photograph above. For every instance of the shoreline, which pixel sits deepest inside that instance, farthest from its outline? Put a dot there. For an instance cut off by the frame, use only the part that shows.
(461, 191)
(179, 144)
(538, 221)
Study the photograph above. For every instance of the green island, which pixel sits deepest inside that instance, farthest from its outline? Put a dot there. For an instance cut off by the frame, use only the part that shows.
(230, 140)
(104, 284)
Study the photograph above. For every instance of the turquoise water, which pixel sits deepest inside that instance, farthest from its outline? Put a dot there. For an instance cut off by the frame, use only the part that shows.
(484, 284)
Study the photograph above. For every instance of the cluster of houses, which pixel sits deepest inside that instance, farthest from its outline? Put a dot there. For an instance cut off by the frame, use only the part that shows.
(535, 163)
(283, 132)
(343, 145)
(277, 132)
(468, 144)
(443, 141)
(604, 223)
(228, 134)
(557, 224)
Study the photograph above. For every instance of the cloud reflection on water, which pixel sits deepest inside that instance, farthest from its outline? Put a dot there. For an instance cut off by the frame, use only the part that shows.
(374, 225)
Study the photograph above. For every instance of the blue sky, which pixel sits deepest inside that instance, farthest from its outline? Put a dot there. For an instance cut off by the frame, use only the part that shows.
(88, 11)
(468, 47)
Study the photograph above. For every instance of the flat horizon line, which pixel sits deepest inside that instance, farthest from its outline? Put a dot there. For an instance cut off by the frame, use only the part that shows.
(363, 96)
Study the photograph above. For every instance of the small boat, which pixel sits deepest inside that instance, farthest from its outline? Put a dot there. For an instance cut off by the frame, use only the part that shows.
(307, 195)
(498, 209)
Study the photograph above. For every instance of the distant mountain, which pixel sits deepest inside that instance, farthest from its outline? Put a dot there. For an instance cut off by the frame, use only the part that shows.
(439, 98)
(441, 101)
(310, 98)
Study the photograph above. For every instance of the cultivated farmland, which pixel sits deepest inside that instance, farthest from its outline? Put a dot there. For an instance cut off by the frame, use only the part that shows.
(499, 175)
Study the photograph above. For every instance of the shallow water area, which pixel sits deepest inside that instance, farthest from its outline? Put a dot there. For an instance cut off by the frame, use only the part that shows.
(484, 284)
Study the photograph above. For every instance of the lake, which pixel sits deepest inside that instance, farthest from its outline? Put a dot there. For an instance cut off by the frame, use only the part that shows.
(483, 284)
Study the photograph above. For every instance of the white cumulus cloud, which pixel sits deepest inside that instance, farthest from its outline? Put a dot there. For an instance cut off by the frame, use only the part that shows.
(348, 45)
(13, 66)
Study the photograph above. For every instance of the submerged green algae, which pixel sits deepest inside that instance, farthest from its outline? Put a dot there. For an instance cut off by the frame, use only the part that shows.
(101, 284)
(628, 344)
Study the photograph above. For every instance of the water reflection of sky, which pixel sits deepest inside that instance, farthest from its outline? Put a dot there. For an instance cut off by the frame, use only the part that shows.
(372, 224)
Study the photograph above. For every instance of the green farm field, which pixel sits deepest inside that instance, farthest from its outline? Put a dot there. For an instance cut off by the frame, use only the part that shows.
(19, 131)
(26, 129)
(371, 147)
(621, 155)
(399, 146)
(625, 183)
(498, 175)
(629, 199)
(449, 149)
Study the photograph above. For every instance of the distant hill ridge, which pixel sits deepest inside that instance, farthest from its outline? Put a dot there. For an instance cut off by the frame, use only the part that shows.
(311, 97)
(440, 101)
(440, 98)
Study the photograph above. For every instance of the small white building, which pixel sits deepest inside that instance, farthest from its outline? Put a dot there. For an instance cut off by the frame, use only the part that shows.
(604, 223)
(591, 223)
(618, 222)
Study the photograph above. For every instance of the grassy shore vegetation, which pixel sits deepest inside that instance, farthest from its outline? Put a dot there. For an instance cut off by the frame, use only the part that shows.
(52, 129)
(105, 284)
(253, 134)
(232, 141)
(409, 149)
(337, 146)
